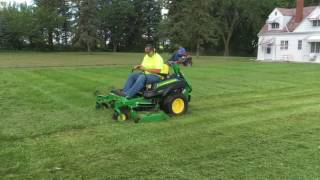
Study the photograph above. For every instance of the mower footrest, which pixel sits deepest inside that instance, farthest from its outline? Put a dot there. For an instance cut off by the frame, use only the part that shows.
(151, 117)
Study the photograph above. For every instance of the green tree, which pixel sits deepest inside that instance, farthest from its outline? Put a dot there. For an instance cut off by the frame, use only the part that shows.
(49, 19)
(66, 16)
(115, 21)
(189, 23)
(86, 24)
(144, 23)
(227, 15)
(16, 25)
(152, 17)
(200, 24)
(176, 23)
(4, 30)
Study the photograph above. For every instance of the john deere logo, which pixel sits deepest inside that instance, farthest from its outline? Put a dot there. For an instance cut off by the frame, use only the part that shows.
(167, 82)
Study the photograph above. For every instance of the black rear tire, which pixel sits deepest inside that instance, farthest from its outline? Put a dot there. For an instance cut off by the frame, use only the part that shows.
(175, 104)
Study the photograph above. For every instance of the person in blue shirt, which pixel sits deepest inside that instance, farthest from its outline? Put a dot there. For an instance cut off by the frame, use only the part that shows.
(178, 54)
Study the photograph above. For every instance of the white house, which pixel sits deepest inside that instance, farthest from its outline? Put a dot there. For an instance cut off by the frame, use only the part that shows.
(291, 35)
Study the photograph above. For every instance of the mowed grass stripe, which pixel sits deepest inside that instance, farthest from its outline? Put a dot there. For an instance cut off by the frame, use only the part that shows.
(55, 91)
(225, 109)
(45, 96)
(239, 116)
(93, 79)
(195, 142)
(247, 120)
(226, 117)
(225, 100)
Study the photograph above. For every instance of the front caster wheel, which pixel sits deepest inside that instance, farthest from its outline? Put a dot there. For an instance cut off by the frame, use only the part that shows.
(98, 106)
(120, 117)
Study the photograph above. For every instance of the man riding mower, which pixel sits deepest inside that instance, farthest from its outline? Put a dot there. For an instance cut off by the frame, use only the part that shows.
(151, 94)
(182, 56)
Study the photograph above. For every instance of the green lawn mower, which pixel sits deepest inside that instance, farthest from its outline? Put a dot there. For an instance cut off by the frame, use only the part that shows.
(156, 102)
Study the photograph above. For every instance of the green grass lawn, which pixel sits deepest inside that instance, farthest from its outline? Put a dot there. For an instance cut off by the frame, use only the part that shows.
(247, 120)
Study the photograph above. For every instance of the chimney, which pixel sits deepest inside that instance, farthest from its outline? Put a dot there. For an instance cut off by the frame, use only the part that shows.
(299, 11)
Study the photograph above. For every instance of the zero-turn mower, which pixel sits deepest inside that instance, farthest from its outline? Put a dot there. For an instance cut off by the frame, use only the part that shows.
(159, 101)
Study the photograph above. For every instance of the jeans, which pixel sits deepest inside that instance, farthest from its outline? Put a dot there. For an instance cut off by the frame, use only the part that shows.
(137, 81)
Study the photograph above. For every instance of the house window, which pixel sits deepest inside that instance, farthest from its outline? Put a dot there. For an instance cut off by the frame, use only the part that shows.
(315, 47)
(299, 44)
(284, 45)
(316, 23)
(268, 49)
(275, 25)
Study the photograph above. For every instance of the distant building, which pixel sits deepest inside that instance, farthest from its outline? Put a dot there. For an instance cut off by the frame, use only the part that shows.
(291, 35)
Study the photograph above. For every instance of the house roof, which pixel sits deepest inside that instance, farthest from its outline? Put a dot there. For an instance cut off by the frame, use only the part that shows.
(292, 25)
(287, 12)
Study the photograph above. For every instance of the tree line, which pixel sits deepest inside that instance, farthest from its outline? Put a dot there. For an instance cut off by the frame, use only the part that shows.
(203, 26)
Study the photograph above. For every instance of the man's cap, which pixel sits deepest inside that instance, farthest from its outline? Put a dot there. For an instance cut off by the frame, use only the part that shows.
(181, 51)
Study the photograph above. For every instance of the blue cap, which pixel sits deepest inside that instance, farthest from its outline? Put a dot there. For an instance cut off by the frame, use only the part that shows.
(182, 51)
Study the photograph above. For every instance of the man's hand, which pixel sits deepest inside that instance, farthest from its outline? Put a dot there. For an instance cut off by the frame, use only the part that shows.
(140, 67)
(137, 67)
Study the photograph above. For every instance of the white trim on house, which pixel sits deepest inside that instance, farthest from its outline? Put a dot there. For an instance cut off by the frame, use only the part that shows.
(314, 38)
(288, 33)
(300, 43)
(314, 16)
(306, 24)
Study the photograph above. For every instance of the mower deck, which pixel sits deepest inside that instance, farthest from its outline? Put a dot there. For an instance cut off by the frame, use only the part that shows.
(125, 109)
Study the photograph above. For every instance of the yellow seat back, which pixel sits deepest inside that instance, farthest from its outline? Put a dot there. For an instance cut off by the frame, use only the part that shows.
(165, 69)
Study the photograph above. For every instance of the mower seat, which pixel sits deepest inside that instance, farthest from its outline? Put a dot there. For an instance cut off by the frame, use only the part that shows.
(169, 85)
(165, 72)
(164, 75)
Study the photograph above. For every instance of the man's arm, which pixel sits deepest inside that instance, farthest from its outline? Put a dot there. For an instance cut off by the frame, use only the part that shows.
(154, 71)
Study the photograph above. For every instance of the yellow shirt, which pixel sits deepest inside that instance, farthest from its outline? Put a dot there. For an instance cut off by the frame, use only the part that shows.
(154, 62)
